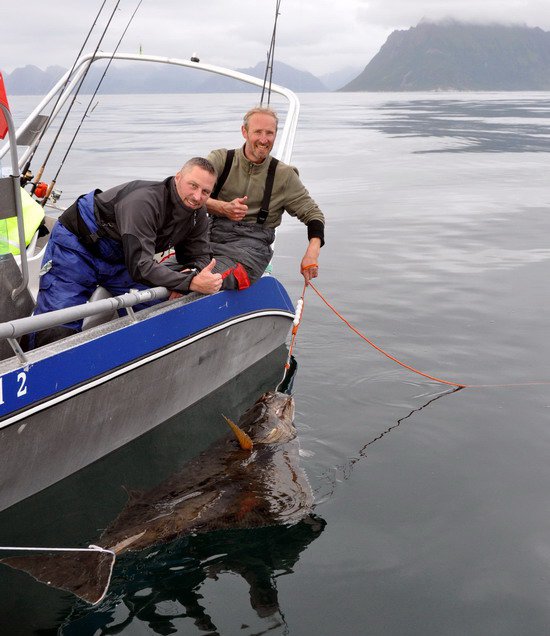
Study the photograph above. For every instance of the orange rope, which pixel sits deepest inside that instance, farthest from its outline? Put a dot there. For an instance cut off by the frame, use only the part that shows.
(385, 353)
(406, 366)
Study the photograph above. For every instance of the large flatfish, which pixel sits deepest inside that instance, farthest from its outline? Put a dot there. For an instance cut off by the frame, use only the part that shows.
(249, 480)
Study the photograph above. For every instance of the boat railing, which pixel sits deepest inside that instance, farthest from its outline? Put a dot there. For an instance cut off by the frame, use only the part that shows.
(14, 329)
(69, 81)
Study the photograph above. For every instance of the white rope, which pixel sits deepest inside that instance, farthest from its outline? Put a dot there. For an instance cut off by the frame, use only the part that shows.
(91, 548)
(298, 313)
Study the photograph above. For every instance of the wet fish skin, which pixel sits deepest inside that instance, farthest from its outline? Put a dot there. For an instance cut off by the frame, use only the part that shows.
(225, 486)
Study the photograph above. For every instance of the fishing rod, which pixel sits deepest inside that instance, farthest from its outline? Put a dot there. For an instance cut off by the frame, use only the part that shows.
(270, 57)
(52, 184)
(48, 120)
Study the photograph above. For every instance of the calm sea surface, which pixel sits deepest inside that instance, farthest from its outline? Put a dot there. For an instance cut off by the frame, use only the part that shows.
(433, 505)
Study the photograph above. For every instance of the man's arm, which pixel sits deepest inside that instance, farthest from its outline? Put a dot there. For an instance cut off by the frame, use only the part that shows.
(301, 205)
(234, 210)
(137, 223)
(194, 249)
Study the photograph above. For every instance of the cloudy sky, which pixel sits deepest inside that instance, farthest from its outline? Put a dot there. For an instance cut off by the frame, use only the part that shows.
(319, 36)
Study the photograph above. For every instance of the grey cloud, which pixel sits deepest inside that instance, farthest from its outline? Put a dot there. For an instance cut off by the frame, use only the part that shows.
(315, 35)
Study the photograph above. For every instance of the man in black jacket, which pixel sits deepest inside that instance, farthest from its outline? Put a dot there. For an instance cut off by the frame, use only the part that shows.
(110, 239)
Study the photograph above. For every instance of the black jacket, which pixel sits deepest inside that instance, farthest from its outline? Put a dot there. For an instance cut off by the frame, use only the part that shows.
(149, 217)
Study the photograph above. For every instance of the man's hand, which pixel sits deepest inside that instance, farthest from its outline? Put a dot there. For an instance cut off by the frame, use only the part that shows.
(309, 266)
(234, 210)
(205, 281)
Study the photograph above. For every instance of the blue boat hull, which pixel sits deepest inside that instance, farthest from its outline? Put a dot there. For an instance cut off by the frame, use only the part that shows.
(85, 396)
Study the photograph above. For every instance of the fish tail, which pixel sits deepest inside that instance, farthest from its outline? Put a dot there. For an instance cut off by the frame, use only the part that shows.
(86, 573)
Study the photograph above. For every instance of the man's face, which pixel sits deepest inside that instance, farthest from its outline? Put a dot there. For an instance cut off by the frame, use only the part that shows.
(194, 186)
(260, 137)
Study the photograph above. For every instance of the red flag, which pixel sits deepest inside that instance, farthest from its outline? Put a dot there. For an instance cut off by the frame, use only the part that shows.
(4, 101)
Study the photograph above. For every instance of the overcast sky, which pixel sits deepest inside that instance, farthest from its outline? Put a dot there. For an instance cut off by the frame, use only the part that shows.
(319, 36)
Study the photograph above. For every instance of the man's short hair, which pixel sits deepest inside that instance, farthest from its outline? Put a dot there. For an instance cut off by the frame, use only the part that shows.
(199, 162)
(260, 110)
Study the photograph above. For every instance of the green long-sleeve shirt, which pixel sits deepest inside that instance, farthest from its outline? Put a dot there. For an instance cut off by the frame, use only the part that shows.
(289, 193)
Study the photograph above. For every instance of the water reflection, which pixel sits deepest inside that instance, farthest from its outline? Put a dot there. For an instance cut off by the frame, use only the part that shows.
(472, 126)
(169, 589)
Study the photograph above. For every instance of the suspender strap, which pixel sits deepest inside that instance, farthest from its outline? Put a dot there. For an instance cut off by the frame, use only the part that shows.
(264, 210)
(224, 174)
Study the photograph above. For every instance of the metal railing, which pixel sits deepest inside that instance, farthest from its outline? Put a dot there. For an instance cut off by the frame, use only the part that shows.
(14, 329)
(285, 138)
(21, 326)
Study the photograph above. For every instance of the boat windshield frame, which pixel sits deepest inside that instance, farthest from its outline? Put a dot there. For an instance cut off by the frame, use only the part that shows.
(68, 83)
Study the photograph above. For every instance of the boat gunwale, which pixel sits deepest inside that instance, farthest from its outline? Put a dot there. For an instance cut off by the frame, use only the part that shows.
(86, 385)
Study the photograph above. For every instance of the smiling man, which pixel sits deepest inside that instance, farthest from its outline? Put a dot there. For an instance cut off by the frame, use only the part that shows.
(110, 239)
(247, 204)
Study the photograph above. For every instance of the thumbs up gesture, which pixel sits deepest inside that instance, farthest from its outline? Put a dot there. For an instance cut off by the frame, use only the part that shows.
(206, 282)
(236, 210)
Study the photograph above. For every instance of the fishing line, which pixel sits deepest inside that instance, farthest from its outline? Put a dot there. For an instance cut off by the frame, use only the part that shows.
(346, 469)
(52, 184)
(93, 96)
(59, 95)
(270, 57)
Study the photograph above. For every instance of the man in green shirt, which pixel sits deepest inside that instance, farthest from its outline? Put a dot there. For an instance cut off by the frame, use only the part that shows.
(248, 202)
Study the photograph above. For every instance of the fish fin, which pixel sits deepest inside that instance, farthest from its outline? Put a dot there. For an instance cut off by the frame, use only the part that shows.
(87, 573)
(243, 439)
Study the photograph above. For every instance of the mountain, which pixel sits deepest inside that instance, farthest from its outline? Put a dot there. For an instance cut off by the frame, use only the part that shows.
(30, 80)
(156, 78)
(335, 80)
(283, 74)
(459, 56)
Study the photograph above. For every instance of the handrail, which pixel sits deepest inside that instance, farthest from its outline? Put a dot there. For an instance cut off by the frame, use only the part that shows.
(22, 326)
(285, 138)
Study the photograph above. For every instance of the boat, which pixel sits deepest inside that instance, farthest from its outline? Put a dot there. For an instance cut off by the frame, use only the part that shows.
(65, 405)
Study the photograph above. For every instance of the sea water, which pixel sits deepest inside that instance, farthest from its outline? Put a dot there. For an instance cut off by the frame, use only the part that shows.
(433, 503)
